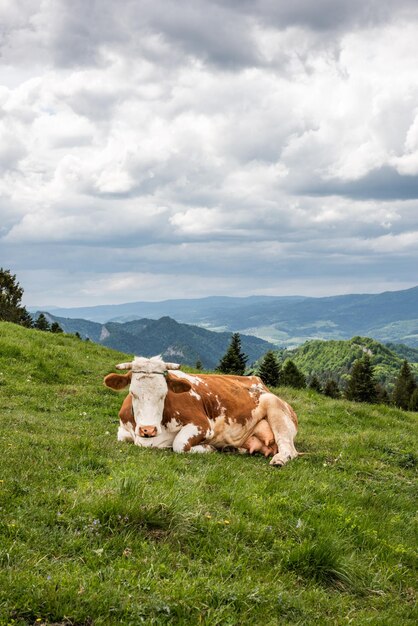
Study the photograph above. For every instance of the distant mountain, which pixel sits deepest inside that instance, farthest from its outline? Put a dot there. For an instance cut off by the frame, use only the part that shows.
(334, 359)
(207, 311)
(286, 321)
(176, 342)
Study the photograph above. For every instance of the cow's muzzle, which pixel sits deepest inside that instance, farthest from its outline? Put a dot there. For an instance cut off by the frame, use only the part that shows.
(147, 431)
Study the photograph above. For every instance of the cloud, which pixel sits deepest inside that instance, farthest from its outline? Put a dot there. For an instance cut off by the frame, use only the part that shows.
(383, 183)
(259, 140)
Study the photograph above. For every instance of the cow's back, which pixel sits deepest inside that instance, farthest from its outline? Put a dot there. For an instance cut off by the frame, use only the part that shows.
(228, 402)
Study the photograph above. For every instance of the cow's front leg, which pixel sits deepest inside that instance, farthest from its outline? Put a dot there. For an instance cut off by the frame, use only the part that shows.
(191, 438)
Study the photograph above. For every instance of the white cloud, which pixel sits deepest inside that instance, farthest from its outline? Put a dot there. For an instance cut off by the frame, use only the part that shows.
(259, 132)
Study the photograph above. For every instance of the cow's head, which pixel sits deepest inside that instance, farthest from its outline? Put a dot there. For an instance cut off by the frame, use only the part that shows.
(149, 381)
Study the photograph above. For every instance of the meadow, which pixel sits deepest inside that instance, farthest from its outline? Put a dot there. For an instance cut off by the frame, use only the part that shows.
(95, 533)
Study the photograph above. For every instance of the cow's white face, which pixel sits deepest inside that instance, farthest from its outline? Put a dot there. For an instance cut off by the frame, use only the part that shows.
(148, 389)
(150, 381)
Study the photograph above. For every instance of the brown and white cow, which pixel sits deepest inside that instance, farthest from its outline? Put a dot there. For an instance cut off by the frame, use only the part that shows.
(167, 408)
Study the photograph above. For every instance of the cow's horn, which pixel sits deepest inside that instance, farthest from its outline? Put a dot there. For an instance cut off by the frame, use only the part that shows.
(172, 366)
(124, 366)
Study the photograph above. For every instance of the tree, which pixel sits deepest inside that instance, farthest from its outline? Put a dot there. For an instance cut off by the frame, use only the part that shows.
(405, 386)
(56, 328)
(331, 389)
(413, 403)
(382, 396)
(291, 376)
(199, 365)
(361, 386)
(269, 370)
(315, 384)
(234, 360)
(11, 309)
(42, 323)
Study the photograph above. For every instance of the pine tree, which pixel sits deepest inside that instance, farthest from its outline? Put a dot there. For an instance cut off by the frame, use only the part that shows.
(199, 365)
(405, 386)
(56, 328)
(315, 384)
(292, 377)
(362, 386)
(11, 309)
(382, 396)
(42, 323)
(269, 370)
(234, 360)
(331, 389)
(413, 403)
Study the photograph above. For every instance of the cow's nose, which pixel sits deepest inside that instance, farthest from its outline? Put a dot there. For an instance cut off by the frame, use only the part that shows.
(147, 431)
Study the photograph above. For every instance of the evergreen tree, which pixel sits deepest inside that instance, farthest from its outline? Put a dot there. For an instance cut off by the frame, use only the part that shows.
(77, 334)
(413, 403)
(405, 386)
(234, 360)
(42, 323)
(269, 370)
(291, 376)
(11, 309)
(199, 365)
(315, 384)
(56, 328)
(331, 389)
(382, 396)
(362, 386)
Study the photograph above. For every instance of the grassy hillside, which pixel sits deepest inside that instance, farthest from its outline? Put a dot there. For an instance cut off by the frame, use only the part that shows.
(334, 359)
(95, 532)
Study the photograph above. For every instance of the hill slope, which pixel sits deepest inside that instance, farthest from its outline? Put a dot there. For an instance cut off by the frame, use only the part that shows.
(98, 532)
(175, 342)
(287, 321)
(334, 359)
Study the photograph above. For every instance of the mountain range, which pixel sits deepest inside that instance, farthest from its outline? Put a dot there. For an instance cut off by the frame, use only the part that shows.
(176, 342)
(288, 321)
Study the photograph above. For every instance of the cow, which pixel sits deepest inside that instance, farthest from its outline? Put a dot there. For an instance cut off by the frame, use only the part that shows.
(167, 408)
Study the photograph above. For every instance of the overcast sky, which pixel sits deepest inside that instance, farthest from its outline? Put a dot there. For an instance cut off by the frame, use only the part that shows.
(154, 149)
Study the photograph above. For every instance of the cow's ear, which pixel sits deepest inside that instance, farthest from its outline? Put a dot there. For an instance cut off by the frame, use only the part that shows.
(117, 381)
(177, 385)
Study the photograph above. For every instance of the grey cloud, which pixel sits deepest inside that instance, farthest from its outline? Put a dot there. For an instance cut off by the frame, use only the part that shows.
(383, 183)
(322, 15)
(77, 33)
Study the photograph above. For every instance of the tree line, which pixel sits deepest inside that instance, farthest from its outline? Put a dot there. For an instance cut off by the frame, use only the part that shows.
(12, 310)
(361, 386)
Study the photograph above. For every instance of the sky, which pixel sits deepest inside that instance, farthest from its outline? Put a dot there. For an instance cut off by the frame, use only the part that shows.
(156, 149)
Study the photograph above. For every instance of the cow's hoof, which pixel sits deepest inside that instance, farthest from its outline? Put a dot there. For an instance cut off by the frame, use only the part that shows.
(278, 461)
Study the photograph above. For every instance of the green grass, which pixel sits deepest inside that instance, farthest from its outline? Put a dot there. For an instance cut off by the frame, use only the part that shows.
(96, 532)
